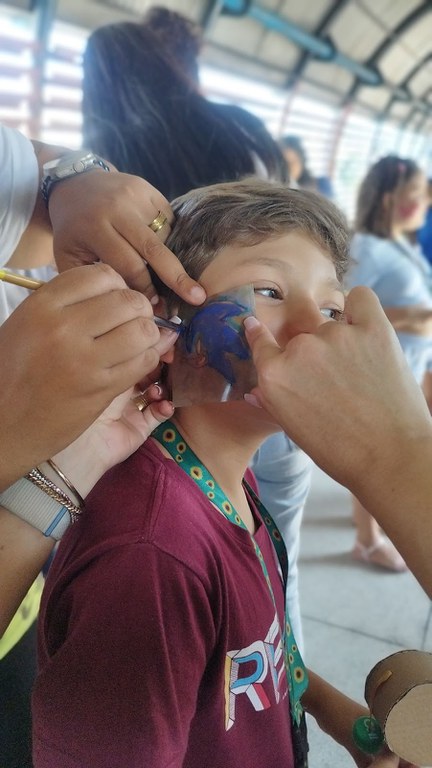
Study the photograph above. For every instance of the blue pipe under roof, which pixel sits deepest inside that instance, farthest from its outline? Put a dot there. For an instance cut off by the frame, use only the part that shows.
(322, 48)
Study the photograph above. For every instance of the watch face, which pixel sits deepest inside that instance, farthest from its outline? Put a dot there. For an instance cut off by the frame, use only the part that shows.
(69, 165)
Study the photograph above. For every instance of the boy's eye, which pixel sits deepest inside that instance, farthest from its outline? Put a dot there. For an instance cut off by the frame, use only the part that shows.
(331, 313)
(271, 293)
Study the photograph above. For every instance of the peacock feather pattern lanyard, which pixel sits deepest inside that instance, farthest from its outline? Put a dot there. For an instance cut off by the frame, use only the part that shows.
(168, 435)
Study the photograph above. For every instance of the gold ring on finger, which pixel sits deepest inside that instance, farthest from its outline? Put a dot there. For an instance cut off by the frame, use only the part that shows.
(141, 402)
(158, 222)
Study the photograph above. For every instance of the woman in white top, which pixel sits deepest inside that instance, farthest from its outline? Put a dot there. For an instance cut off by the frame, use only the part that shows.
(391, 204)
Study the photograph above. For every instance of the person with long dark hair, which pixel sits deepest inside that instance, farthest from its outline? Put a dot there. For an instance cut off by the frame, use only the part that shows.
(143, 110)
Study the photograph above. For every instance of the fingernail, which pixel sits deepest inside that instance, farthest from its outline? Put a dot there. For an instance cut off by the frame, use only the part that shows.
(252, 400)
(197, 293)
(154, 300)
(175, 319)
(251, 322)
(158, 389)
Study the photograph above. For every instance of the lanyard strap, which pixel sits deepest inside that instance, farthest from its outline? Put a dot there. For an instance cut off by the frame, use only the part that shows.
(168, 435)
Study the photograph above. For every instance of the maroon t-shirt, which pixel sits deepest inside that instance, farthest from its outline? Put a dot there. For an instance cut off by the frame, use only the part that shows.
(159, 644)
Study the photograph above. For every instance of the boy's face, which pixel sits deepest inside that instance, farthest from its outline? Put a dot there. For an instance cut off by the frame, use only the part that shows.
(295, 283)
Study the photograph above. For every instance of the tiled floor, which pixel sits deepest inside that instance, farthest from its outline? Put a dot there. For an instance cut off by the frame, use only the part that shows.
(353, 615)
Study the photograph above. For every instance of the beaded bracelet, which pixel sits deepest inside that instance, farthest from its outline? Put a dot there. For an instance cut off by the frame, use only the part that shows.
(51, 489)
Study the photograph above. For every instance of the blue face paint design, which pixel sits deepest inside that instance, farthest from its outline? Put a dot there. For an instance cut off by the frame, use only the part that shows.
(212, 359)
(216, 331)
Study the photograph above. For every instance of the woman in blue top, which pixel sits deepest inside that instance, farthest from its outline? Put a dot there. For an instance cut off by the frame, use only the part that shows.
(391, 204)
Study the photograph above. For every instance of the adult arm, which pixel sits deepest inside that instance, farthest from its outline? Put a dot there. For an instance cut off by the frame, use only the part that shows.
(346, 396)
(23, 553)
(67, 351)
(415, 319)
(104, 216)
(111, 439)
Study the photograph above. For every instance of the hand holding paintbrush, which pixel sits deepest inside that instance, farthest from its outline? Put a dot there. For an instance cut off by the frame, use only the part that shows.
(31, 285)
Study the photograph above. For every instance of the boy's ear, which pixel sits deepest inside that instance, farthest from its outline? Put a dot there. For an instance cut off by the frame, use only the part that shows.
(168, 357)
(163, 310)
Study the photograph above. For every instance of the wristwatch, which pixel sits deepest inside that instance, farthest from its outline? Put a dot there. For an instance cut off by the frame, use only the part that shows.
(69, 165)
(31, 504)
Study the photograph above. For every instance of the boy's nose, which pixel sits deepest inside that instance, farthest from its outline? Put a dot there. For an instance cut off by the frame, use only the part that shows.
(303, 317)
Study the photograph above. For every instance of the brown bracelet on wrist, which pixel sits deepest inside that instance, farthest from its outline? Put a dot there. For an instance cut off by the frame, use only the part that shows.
(66, 481)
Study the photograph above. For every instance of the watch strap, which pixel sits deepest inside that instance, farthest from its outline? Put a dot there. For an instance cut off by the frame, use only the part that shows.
(86, 162)
(30, 503)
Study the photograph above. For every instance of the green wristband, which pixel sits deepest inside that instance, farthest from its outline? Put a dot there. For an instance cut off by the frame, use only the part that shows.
(367, 735)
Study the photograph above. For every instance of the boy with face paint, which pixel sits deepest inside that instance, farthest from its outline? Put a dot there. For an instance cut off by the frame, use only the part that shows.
(163, 635)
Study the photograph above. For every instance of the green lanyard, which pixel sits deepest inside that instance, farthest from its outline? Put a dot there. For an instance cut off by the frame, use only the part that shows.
(168, 435)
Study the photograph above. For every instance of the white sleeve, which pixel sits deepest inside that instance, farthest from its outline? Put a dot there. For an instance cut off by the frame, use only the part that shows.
(19, 181)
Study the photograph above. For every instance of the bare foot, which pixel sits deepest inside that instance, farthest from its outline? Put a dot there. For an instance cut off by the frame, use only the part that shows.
(383, 554)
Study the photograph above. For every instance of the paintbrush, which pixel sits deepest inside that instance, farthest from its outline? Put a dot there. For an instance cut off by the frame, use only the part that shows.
(32, 285)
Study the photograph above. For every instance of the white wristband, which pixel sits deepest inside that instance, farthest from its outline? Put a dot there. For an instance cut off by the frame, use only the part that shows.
(30, 503)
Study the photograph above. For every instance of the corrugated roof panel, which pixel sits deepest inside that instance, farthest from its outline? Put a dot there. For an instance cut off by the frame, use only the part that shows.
(422, 80)
(307, 13)
(396, 63)
(89, 14)
(376, 98)
(393, 11)
(191, 8)
(399, 110)
(417, 38)
(329, 74)
(240, 34)
(355, 33)
(278, 50)
(271, 5)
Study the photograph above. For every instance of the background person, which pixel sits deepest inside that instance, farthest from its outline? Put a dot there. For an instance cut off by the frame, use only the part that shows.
(299, 173)
(424, 234)
(152, 101)
(392, 203)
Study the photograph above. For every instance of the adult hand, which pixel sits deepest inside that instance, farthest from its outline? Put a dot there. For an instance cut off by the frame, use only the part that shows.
(106, 216)
(114, 436)
(67, 351)
(345, 393)
(387, 759)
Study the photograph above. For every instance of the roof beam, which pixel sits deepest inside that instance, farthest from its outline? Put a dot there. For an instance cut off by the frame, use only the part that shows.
(387, 43)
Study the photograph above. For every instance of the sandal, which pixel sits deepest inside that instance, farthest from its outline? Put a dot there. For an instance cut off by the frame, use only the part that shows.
(382, 554)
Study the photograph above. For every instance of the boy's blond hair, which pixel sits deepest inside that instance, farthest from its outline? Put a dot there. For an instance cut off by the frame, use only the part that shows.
(247, 213)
